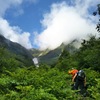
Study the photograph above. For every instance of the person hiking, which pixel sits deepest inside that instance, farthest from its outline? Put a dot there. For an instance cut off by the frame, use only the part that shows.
(73, 73)
(80, 81)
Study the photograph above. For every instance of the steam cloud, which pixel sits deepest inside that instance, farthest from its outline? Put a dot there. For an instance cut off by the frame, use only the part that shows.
(64, 23)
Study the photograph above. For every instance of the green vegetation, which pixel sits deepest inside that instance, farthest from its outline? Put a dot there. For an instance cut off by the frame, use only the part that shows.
(19, 82)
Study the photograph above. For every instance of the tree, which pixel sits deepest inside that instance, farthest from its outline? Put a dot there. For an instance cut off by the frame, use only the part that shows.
(97, 12)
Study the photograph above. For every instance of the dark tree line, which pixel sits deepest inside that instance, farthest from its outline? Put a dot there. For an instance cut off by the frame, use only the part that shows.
(97, 12)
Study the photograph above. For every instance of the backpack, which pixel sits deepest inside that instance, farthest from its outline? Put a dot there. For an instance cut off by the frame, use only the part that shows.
(81, 75)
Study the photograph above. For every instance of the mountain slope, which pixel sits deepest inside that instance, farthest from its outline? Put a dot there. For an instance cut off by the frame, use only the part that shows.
(51, 56)
(23, 55)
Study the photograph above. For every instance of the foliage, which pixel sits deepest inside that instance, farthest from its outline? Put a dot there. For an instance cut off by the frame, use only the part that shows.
(89, 54)
(19, 82)
(10, 60)
(43, 84)
(37, 84)
(97, 12)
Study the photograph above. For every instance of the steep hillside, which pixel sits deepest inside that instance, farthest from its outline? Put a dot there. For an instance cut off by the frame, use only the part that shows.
(51, 56)
(52, 83)
(22, 54)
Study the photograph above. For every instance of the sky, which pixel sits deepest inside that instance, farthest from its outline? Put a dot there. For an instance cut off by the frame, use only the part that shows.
(46, 24)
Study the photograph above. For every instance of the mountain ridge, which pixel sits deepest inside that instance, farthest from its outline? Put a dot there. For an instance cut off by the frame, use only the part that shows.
(17, 49)
(51, 56)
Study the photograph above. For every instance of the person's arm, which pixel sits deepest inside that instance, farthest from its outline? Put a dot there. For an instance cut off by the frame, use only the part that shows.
(85, 81)
(74, 77)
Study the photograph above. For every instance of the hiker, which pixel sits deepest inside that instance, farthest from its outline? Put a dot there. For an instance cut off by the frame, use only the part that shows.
(73, 72)
(80, 81)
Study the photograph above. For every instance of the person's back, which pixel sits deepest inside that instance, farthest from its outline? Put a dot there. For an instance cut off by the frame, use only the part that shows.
(81, 75)
(80, 80)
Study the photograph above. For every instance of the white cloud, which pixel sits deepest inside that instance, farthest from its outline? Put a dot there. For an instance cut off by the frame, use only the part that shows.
(14, 34)
(6, 4)
(24, 40)
(64, 23)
